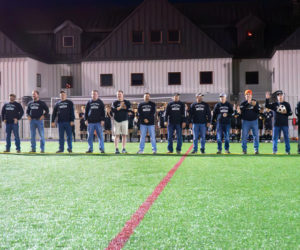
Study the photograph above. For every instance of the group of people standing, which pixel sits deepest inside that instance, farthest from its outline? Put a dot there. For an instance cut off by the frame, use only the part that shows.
(175, 118)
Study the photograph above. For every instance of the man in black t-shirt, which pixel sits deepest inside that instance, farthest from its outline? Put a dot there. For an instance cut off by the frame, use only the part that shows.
(298, 116)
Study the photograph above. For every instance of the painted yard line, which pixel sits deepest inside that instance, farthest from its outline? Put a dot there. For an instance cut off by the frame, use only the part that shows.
(120, 240)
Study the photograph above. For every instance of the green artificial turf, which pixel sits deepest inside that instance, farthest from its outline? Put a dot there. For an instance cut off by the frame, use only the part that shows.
(83, 201)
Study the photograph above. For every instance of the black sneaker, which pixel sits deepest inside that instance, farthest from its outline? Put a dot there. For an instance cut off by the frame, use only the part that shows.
(227, 151)
(59, 152)
(18, 151)
(219, 152)
(140, 152)
(256, 152)
(178, 152)
(32, 151)
(70, 151)
(154, 152)
(194, 152)
(117, 151)
(274, 153)
(202, 151)
(102, 151)
(169, 152)
(288, 153)
(42, 152)
(6, 151)
(244, 152)
(89, 152)
(124, 151)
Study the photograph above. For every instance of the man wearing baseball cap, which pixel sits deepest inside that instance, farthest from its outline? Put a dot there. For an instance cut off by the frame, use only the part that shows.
(222, 115)
(282, 111)
(249, 112)
(200, 117)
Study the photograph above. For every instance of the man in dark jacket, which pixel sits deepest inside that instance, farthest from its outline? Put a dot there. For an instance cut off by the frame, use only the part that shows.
(64, 110)
(11, 113)
(175, 120)
(222, 115)
(249, 112)
(200, 117)
(282, 110)
(298, 116)
(94, 118)
(36, 112)
(146, 115)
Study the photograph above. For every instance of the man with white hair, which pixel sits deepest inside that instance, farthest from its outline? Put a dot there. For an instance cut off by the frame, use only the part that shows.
(282, 111)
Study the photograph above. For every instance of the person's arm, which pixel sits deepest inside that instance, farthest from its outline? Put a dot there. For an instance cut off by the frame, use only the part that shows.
(72, 113)
(46, 109)
(3, 112)
(20, 112)
(167, 113)
(87, 109)
(28, 111)
(54, 113)
(215, 113)
(113, 107)
(208, 113)
(128, 105)
(192, 112)
(298, 109)
(102, 112)
(256, 107)
(183, 117)
(230, 110)
(289, 111)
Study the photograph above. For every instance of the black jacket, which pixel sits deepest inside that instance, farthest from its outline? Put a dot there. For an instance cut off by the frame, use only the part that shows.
(175, 112)
(249, 112)
(147, 110)
(122, 114)
(64, 110)
(94, 111)
(219, 110)
(200, 113)
(11, 111)
(36, 109)
(279, 118)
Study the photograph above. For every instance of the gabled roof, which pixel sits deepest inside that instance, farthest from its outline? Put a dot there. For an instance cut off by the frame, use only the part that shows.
(65, 24)
(250, 18)
(292, 42)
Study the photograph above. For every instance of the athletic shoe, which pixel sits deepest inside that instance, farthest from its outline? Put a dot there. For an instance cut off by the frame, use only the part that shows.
(219, 152)
(117, 151)
(6, 151)
(288, 153)
(256, 152)
(202, 151)
(274, 153)
(227, 151)
(59, 151)
(42, 152)
(70, 151)
(194, 152)
(32, 151)
(89, 152)
(102, 151)
(298, 152)
(169, 152)
(244, 152)
(178, 152)
(154, 152)
(140, 152)
(18, 151)
(124, 151)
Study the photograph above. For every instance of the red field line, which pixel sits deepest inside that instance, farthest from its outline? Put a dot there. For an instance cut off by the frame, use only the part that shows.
(120, 240)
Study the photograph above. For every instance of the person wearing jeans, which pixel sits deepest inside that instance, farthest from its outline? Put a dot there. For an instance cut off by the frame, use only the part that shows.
(146, 114)
(36, 112)
(282, 110)
(298, 116)
(249, 113)
(64, 110)
(94, 117)
(222, 115)
(11, 113)
(175, 121)
(200, 116)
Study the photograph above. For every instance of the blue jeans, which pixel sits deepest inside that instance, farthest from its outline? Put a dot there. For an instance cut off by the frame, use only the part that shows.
(144, 129)
(246, 127)
(223, 129)
(276, 133)
(199, 129)
(62, 127)
(11, 127)
(39, 125)
(99, 131)
(171, 129)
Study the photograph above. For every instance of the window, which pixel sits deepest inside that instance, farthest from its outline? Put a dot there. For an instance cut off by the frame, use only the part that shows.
(137, 79)
(138, 37)
(68, 41)
(174, 78)
(38, 80)
(174, 36)
(206, 77)
(106, 80)
(67, 82)
(156, 36)
(250, 35)
(252, 77)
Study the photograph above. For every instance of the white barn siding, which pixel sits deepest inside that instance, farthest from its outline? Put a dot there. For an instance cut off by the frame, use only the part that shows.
(264, 68)
(156, 76)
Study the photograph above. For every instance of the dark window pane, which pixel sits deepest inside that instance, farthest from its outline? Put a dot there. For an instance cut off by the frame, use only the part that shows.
(137, 79)
(174, 36)
(155, 36)
(174, 78)
(68, 41)
(137, 36)
(38, 80)
(66, 82)
(206, 77)
(252, 77)
(106, 80)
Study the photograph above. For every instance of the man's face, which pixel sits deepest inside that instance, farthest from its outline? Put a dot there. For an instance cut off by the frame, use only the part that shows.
(83, 109)
(280, 98)
(95, 95)
(120, 95)
(63, 96)
(176, 98)
(12, 98)
(35, 95)
(146, 97)
(199, 98)
(248, 97)
(223, 99)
